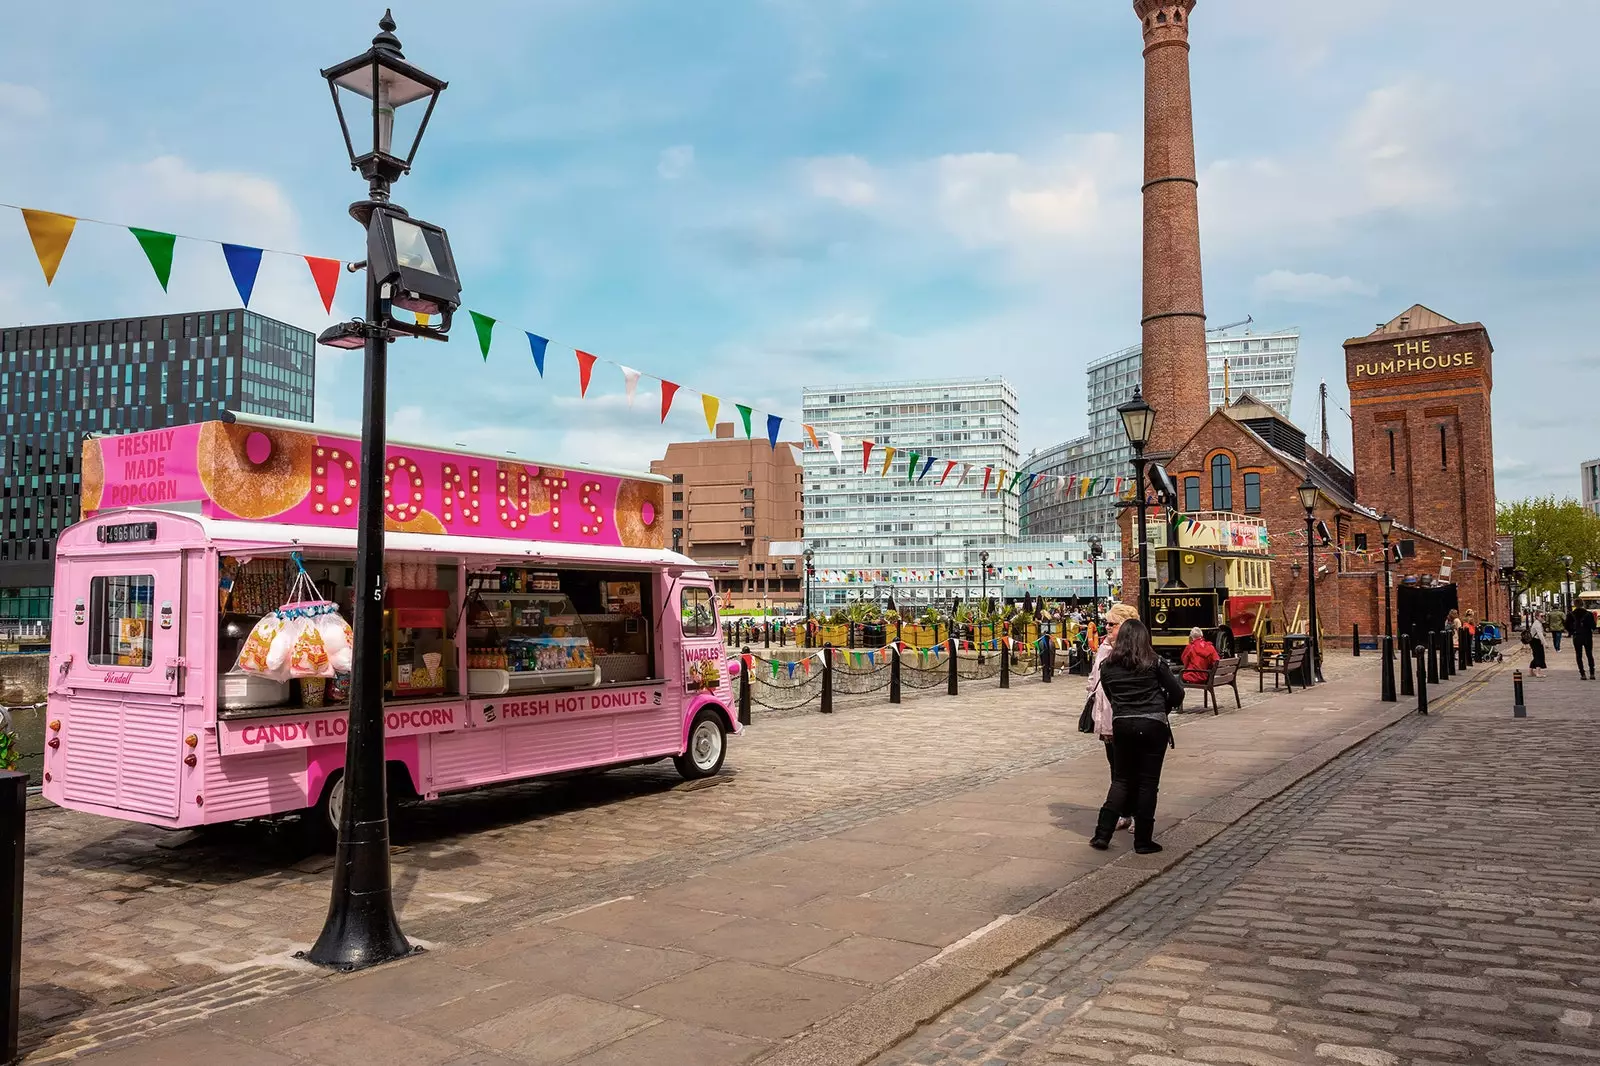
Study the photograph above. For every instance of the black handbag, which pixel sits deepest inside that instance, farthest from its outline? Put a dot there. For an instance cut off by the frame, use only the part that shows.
(1086, 719)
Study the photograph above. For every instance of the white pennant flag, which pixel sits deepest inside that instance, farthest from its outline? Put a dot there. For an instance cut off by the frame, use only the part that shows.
(630, 380)
(837, 444)
(799, 457)
(966, 468)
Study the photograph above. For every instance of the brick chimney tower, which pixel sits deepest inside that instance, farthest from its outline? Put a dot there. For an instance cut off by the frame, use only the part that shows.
(1175, 377)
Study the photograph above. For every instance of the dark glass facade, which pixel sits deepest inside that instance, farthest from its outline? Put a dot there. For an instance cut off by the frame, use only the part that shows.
(61, 381)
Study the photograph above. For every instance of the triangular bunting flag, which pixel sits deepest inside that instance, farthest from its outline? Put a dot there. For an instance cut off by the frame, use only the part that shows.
(158, 249)
(926, 467)
(50, 233)
(773, 422)
(911, 468)
(966, 468)
(243, 263)
(812, 433)
(585, 368)
(537, 345)
(630, 382)
(866, 454)
(325, 272)
(668, 391)
(483, 325)
(988, 470)
(949, 466)
(744, 416)
(709, 405)
(836, 443)
(888, 457)
(796, 454)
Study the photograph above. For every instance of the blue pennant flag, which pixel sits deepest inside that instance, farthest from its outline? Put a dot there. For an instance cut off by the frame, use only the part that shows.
(243, 263)
(773, 422)
(538, 344)
(791, 668)
(926, 467)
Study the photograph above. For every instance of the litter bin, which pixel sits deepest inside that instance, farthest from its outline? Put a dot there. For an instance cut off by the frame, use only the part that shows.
(1306, 675)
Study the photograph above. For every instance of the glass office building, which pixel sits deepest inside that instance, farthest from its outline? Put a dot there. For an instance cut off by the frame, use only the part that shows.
(1261, 364)
(61, 381)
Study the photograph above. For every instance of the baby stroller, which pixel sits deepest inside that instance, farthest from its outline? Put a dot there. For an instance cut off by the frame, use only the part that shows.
(1486, 648)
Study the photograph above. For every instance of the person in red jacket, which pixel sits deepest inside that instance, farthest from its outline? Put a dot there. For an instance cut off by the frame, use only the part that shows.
(1198, 657)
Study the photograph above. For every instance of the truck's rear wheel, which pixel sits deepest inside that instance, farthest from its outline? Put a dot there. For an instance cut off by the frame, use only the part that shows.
(708, 746)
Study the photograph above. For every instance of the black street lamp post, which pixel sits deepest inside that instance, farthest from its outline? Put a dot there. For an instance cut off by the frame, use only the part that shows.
(810, 569)
(409, 266)
(1138, 421)
(1308, 500)
(1566, 589)
(1386, 672)
(983, 601)
(1097, 552)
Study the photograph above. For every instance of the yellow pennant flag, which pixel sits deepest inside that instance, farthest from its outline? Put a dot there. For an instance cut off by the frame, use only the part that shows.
(888, 457)
(50, 233)
(710, 404)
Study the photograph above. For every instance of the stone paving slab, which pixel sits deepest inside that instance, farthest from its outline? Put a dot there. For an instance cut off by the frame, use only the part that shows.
(594, 901)
(1433, 897)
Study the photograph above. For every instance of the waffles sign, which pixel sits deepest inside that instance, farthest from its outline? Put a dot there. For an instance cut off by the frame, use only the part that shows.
(237, 470)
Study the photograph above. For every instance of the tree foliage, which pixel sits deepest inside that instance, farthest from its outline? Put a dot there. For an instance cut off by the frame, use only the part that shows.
(1547, 528)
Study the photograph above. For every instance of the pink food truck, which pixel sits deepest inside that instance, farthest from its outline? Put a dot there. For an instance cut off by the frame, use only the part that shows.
(534, 624)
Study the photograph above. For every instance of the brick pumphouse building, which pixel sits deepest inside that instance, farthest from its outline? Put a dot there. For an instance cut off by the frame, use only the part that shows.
(1424, 455)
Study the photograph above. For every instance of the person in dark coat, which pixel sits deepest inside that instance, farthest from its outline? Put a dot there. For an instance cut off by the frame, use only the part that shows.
(1142, 691)
(1580, 627)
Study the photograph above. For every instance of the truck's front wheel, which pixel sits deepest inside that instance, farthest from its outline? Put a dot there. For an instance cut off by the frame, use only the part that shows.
(708, 746)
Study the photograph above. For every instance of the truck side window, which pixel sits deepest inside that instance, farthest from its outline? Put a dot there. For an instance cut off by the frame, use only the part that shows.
(119, 620)
(699, 619)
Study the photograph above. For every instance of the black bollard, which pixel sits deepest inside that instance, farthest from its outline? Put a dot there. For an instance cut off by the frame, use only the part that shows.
(746, 663)
(1047, 659)
(1519, 709)
(1355, 639)
(1464, 653)
(1406, 686)
(1447, 655)
(1422, 680)
(952, 687)
(827, 679)
(14, 798)
(766, 632)
(1386, 670)
(1432, 663)
(850, 634)
(1005, 669)
(782, 634)
(894, 675)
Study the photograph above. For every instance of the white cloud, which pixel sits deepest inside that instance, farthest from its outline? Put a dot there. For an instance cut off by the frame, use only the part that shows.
(847, 179)
(1290, 287)
(675, 162)
(22, 102)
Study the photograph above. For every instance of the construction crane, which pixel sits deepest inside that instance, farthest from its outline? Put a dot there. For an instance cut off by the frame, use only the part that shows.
(1245, 321)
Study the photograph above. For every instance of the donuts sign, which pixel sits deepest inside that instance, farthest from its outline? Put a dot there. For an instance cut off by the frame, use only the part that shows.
(239, 470)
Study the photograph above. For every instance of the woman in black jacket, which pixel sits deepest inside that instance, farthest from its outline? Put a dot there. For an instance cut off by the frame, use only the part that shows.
(1143, 691)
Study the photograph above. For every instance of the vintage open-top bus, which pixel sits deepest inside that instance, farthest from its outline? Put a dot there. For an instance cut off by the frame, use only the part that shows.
(1214, 571)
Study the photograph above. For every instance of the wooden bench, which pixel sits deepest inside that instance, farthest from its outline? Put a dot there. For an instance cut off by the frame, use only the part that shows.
(1223, 673)
(1285, 665)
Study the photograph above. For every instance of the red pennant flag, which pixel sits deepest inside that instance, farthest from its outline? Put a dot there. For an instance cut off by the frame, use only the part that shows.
(668, 390)
(951, 465)
(325, 272)
(986, 471)
(585, 367)
(866, 454)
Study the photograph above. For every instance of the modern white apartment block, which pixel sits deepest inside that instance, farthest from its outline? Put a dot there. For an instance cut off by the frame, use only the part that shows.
(867, 514)
(1591, 486)
(1262, 364)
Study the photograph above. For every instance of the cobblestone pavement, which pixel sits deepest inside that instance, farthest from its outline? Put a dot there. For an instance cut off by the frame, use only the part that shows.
(124, 930)
(1431, 897)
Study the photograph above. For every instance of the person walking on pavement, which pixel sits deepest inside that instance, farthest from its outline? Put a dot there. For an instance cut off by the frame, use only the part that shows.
(1142, 692)
(1580, 624)
(1534, 634)
(1555, 625)
(1199, 656)
(1118, 614)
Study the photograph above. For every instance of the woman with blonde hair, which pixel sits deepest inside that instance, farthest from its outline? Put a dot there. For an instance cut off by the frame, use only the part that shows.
(1118, 614)
(1142, 692)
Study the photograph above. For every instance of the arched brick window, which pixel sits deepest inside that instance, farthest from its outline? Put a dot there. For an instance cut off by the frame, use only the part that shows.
(1222, 483)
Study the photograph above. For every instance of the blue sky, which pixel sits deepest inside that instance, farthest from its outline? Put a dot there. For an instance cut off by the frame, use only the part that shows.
(749, 197)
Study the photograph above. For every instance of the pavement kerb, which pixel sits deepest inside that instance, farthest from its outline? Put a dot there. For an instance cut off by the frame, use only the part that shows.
(884, 1018)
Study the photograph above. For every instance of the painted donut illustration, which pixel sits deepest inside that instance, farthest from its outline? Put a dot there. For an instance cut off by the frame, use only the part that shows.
(254, 473)
(92, 476)
(638, 515)
(424, 522)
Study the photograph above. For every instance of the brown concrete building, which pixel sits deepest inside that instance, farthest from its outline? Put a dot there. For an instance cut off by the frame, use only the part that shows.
(731, 500)
(1175, 377)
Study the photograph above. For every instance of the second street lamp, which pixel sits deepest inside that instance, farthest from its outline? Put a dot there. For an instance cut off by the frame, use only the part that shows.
(1308, 500)
(1139, 421)
(1386, 671)
(409, 265)
(1097, 551)
(1566, 588)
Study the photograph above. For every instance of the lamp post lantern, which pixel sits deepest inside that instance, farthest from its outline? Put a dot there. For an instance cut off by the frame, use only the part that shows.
(1097, 552)
(1566, 588)
(409, 265)
(1308, 500)
(1138, 421)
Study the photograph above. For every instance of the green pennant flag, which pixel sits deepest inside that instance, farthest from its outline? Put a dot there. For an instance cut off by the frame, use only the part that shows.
(744, 413)
(484, 326)
(911, 468)
(158, 249)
